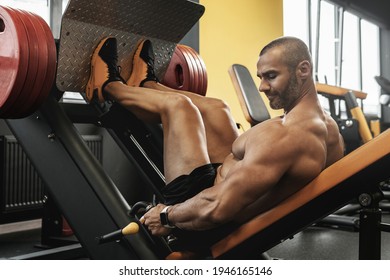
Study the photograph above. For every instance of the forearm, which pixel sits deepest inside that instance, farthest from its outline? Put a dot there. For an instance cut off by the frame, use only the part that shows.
(198, 213)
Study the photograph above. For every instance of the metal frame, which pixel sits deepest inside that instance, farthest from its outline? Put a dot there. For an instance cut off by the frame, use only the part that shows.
(339, 26)
(77, 183)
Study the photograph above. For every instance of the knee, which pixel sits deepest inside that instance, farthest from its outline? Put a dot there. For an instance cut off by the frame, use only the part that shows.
(177, 104)
(214, 105)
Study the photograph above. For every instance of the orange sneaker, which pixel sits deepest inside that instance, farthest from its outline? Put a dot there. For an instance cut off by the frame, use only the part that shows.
(104, 69)
(143, 65)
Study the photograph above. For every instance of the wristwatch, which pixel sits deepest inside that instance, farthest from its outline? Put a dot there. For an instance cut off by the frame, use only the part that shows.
(164, 218)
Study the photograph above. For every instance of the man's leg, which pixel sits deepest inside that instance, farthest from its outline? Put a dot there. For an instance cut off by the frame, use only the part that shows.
(221, 130)
(185, 146)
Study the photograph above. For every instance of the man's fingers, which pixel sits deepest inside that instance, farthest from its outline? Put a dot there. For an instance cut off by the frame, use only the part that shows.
(142, 220)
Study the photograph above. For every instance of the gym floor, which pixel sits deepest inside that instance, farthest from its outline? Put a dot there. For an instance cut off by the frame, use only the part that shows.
(324, 243)
(315, 243)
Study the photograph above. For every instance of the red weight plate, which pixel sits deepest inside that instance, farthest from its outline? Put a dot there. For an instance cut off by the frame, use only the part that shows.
(193, 73)
(187, 69)
(42, 57)
(202, 70)
(51, 65)
(9, 55)
(37, 67)
(32, 68)
(178, 73)
(16, 41)
(202, 74)
(199, 69)
(205, 81)
(195, 78)
(171, 78)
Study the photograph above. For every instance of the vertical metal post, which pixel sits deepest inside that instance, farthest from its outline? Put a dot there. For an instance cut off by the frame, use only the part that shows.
(309, 17)
(360, 54)
(339, 28)
(55, 15)
(317, 38)
(370, 232)
(370, 235)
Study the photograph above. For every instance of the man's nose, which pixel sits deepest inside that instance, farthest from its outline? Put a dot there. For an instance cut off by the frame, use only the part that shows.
(264, 86)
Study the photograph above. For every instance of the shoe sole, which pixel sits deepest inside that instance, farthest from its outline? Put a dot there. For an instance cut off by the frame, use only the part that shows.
(90, 89)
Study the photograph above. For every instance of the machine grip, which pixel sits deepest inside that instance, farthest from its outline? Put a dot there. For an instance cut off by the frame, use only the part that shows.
(131, 228)
(357, 113)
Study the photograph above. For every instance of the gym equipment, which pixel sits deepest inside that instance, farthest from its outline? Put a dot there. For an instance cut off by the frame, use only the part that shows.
(85, 183)
(251, 102)
(84, 24)
(384, 83)
(384, 100)
(354, 127)
(186, 71)
(28, 62)
(131, 228)
(357, 114)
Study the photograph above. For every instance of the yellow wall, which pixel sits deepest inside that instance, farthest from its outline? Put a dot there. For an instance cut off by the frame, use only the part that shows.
(233, 31)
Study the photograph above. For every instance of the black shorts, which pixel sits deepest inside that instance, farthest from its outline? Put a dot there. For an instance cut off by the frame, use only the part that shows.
(187, 186)
(183, 188)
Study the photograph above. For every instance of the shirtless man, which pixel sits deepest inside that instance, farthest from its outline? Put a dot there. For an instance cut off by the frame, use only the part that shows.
(214, 175)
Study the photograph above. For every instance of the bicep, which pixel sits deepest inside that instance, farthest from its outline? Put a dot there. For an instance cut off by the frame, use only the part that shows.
(249, 179)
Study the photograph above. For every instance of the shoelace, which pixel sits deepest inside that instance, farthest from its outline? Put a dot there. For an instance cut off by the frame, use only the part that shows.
(150, 73)
(113, 69)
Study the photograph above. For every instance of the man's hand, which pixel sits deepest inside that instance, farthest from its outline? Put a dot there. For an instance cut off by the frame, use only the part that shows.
(151, 220)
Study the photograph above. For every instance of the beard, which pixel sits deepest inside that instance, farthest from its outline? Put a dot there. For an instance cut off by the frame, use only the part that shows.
(285, 98)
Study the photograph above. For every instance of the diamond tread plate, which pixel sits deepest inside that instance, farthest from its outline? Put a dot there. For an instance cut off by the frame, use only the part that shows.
(85, 23)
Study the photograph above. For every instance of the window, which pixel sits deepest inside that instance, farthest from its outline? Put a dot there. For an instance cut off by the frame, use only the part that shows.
(42, 8)
(348, 46)
(39, 7)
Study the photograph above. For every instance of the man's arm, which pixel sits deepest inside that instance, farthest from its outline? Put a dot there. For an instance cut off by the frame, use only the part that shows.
(266, 159)
(264, 163)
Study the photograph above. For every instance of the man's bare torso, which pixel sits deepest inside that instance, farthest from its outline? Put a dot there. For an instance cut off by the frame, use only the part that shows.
(315, 138)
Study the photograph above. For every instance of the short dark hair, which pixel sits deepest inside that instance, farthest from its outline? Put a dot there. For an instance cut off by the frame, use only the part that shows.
(294, 50)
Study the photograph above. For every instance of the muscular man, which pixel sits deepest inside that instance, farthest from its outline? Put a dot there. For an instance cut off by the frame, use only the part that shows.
(216, 177)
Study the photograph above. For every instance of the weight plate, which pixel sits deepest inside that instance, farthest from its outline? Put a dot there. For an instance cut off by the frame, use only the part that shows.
(9, 56)
(189, 67)
(36, 68)
(200, 81)
(51, 63)
(202, 71)
(40, 78)
(195, 78)
(14, 59)
(177, 73)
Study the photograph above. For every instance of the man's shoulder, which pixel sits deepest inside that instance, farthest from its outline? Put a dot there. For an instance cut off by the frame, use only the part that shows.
(274, 133)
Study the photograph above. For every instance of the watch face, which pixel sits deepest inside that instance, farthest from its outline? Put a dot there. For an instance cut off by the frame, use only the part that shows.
(164, 218)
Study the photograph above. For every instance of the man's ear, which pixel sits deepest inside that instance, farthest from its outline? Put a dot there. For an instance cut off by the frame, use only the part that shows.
(304, 69)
